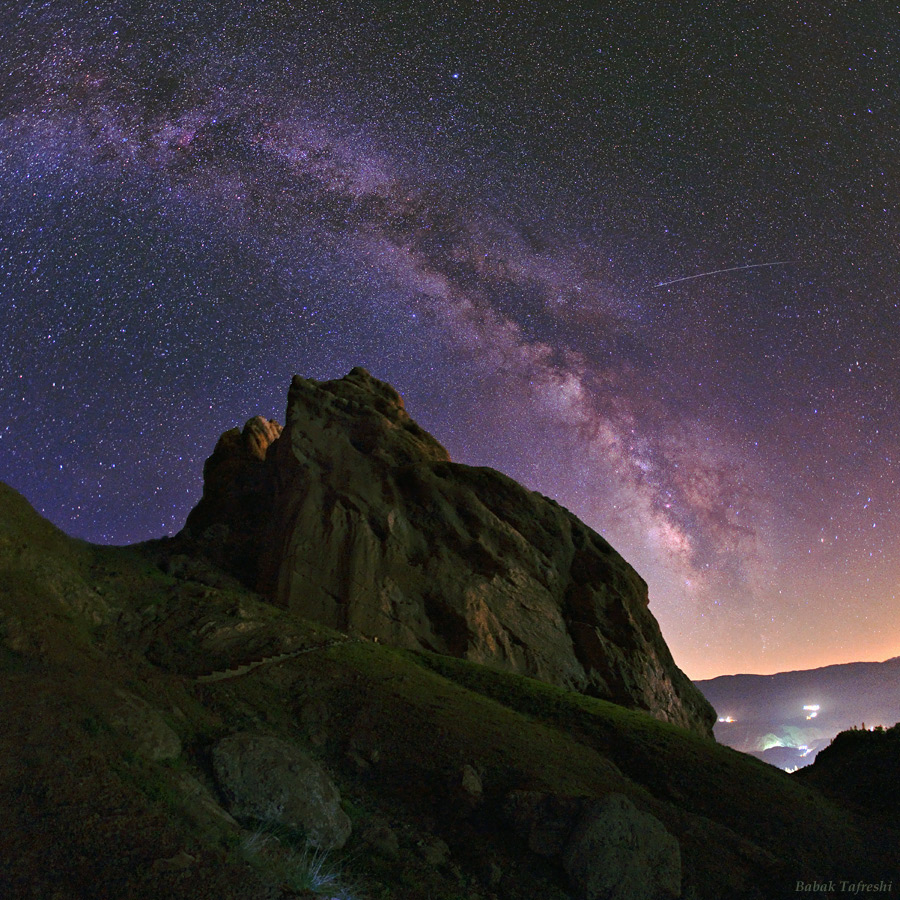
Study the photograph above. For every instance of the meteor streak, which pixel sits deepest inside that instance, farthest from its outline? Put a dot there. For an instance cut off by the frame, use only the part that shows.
(720, 271)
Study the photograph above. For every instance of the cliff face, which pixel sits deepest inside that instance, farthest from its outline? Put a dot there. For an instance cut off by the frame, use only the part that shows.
(361, 521)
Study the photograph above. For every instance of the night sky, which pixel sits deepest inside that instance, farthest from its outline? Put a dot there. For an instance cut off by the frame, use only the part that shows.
(478, 203)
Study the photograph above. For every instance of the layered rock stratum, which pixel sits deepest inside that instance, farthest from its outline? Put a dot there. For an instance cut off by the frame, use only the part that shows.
(355, 517)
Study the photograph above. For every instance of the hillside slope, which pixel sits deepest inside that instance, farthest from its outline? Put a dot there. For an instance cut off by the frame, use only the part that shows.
(456, 780)
(860, 768)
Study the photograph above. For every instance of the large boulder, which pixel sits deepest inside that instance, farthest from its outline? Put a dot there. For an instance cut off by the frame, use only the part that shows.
(608, 848)
(270, 780)
(617, 852)
(358, 519)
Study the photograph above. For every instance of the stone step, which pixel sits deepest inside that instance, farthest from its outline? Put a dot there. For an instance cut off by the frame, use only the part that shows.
(242, 669)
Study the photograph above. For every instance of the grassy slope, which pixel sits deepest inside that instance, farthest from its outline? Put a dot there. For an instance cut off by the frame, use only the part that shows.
(84, 811)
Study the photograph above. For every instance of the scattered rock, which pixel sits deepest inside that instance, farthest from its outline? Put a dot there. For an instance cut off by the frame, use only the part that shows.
(434, 851)
(383, 841)
(268, 778)
(199, 803)
(358, 760)
(466, 792)
(136, 718)
(544, 820)
(362, 746)
(13, 634)
(617, 852)
(189, 568)
(471, 783)
(176, 863)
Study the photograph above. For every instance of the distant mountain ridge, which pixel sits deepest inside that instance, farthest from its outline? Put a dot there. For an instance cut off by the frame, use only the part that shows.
(770, 714)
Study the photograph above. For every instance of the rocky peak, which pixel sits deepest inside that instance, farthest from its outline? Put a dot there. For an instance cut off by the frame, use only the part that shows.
(257, 435)
(237, 496)
(355, 517)
(365, 412)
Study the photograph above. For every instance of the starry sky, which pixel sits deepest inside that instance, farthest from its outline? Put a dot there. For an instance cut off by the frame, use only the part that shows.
(488, 205)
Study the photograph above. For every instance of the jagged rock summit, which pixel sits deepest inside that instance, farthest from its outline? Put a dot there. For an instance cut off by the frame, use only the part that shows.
(356, 517)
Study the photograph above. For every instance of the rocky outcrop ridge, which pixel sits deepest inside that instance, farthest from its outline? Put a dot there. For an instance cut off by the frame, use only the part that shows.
(356, 517)
(237, 498)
